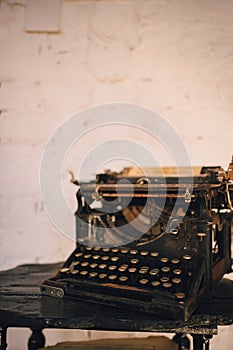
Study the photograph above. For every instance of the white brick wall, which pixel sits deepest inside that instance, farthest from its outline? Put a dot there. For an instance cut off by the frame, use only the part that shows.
(173, 56)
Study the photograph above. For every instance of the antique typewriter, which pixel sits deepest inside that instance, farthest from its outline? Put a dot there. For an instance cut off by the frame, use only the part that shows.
(150, 244)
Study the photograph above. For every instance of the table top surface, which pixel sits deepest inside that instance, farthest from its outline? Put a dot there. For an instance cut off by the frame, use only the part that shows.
(22, 305)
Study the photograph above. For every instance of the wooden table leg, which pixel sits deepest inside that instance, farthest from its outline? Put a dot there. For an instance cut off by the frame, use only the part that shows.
(36, 340)
(3, 334)
(201, 341)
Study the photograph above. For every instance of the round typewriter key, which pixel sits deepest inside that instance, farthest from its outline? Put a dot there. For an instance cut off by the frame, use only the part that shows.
(132, 269)
(87, 256)
(115, 258)
(187, 257)
(155, 283)
(180, 295)
(96, 249)
(164, 260)
(123, 278)
(124, 251)
(123, 268)
(154, 272)
(93, 265)
(93, 274)
(75, 272)
(102, 266)
(84, 273)
(112, 267)
(143, 270)
(64, 270)
(96, 257)
(89, 248)
(106, 250)
(115, 250)
(84, 263)
(102, 276)
(165, 269)
(154, 254)
(175, 261)
(176, 280)
(78, 255)
(75, 263)
(105, 257)
(134, 261)
(143, 253)
(112, 277)
(143, 281)
(177, 272)
(133, 251)
(167, 285)
(164, 279)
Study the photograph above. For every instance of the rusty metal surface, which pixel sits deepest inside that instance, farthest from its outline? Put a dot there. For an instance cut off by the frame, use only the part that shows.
(22, 305)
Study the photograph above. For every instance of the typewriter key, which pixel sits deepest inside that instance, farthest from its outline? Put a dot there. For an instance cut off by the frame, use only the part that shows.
(112, 277)
(180, 295)
(143, 281)
(143, 253)
(93, 265)
(154, 254)
(102, 266)
(96, 249)
(78, 255)
(123, 268)
(115, 258)
(143, 270)
(154, 272)
(75, 272)
(167, 285)
(64, 270)
(105, 257)
(164, 279)
(84, 273)
(165, 269)
(89, 248)
(134, 261)
(115, 250)
(123, 278)
(133, 251)
(96, 257)
(93, 274)
(106, 250)
(187, 257)
(155, 283)
(164, 260)
(176, 280)
(87, 256)
(84, 263)
(124, 251)
(175, 261)
(102, 276)
(177, 272)
(112, 267)
(132, 269)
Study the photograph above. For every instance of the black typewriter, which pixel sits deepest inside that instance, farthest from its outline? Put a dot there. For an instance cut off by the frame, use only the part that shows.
(150, 243)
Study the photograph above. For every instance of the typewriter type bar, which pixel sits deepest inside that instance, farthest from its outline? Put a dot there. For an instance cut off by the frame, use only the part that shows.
(167, 266)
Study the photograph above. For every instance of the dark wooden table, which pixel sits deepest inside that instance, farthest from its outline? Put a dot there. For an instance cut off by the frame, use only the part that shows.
(21, 305)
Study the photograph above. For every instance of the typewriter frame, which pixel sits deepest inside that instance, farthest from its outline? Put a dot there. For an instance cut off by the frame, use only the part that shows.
(213, 193)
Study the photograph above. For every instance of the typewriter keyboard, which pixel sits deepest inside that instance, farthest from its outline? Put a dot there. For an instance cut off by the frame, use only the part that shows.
(129, 269)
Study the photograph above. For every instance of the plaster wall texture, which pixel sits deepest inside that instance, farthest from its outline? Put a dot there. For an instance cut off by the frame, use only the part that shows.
(175, 57)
